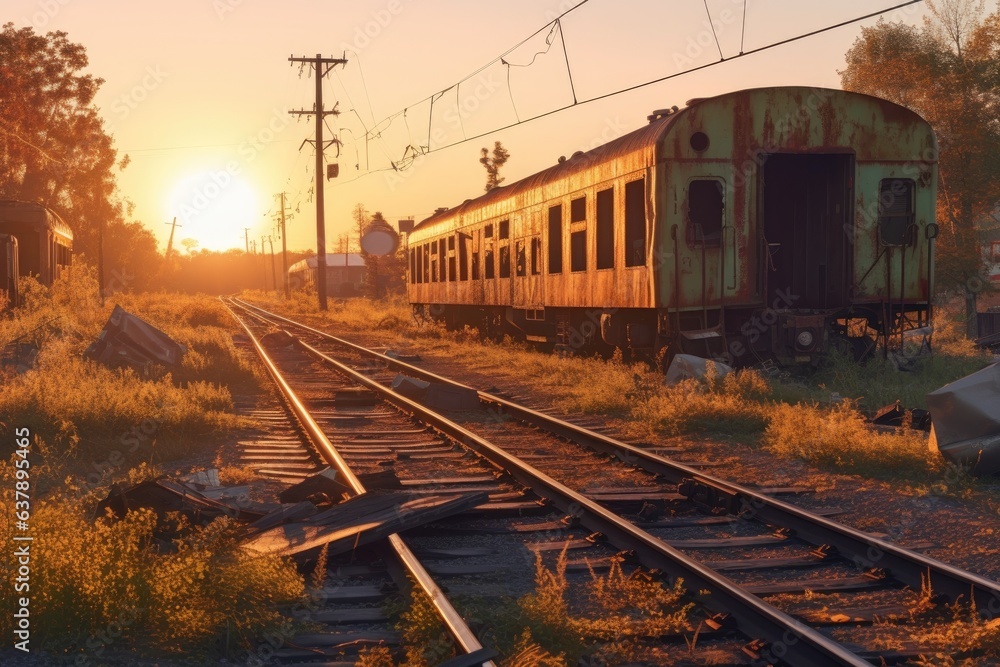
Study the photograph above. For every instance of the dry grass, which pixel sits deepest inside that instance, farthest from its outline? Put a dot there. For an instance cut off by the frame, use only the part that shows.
(837, 438)
(106, 586)
(605, 625)
(101, 589)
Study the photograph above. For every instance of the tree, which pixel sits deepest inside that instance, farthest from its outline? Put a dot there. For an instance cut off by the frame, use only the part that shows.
(54, 149)
(948, 71)
(493, 164)
(189, 245)
(360, 217)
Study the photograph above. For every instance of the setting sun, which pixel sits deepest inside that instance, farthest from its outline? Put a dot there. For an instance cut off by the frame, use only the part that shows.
(214, 207)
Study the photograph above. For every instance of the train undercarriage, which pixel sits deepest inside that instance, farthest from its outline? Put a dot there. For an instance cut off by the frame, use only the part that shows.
(739, 337)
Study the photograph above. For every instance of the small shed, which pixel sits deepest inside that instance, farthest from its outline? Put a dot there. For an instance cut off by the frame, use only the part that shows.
(345, 273)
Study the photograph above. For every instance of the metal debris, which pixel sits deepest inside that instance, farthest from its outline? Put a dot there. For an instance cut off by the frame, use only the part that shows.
(323, 488)
(685, 366)
(127, 340)
(361, 520)
(164, 496)
(894, 415)
(965, 418)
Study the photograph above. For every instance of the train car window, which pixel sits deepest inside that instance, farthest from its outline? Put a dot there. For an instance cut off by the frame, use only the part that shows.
(505, 229)
(475, 264)
(635, 223)
(895, 210)
(489, 272)
(443, 256)
(578, 250)
(412, 264)
(488, 233)
(505, 261)
(706, 207)
(555, 239)
(578, 209)
(605, 229)
(536, 255)
(427, 264)
(463, 257)
(452, 273)
(417, 271)
(434, 261)
(519, 256)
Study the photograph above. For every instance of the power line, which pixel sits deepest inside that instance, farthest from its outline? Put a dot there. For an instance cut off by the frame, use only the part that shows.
(406, 159)
(499, 59)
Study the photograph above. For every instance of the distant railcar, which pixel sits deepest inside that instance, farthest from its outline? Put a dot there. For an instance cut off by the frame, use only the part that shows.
(345, 274)
(34, 241)
(763, 225)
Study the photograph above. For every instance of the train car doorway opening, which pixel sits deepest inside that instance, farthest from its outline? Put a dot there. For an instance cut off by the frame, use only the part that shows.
(806, 201)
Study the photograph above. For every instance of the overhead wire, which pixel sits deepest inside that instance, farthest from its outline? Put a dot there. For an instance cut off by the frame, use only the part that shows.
(714, 33)
(651, 82)
(743, 32)
(496, 60)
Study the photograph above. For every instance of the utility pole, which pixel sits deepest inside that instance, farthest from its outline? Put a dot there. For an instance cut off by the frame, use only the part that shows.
(284, 244)
(170, 243)
(322, 67)
(263, 256)
(246, 236)
(274, 278)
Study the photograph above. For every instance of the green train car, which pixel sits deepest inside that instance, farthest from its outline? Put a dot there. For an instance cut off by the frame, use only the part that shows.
(761, 225)
(34, 241)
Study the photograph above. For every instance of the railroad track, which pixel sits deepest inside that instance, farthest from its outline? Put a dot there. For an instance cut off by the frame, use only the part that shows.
(745, 574)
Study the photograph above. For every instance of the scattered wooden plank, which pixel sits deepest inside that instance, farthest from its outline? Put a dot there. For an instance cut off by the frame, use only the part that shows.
(746, 564)
(351, 638)
(369, 593)
(457, 552)
(636, 496)
(855, 615)
(687, 521)
(468, 479)
(726, 542)
(462, 569)
(817, 586)
(559, 545)
(346, 615)
(342, 536)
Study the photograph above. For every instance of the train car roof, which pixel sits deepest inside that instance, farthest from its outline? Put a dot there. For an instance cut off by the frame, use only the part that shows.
(646, 137)
(33, 214)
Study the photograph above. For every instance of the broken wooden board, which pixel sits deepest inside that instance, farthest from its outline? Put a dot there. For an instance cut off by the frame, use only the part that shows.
(841, 585)
(343, 535)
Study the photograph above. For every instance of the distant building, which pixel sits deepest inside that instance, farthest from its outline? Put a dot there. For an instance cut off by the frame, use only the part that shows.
(345, 274)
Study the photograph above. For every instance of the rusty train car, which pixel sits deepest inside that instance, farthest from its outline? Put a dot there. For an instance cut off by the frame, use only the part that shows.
(34, 241)
(763, 225)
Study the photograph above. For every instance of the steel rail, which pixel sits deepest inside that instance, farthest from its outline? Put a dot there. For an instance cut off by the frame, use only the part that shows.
(908, 567)
(463, 635)
(788, 639)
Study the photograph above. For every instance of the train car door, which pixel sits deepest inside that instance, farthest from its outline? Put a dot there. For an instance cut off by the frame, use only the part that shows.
(527, 263)
(707, 241)
(805, 214)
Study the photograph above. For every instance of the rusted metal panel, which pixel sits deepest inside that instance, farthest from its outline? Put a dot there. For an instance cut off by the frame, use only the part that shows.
(127, 340)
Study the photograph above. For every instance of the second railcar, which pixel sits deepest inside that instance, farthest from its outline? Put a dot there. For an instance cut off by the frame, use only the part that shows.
(38, 242)
(757, 225)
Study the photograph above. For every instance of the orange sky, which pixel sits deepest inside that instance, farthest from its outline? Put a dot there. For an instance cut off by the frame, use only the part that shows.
(197, 92)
